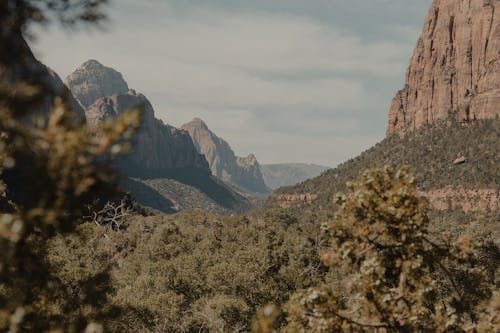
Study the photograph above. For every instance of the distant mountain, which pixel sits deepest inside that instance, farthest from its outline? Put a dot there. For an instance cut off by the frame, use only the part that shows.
(287, 174)
(455, 67)
(242, 172)
(161, 153)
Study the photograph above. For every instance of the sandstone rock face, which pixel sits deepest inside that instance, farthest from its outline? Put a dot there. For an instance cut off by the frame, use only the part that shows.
(242, 172)
(159, 149)
(92, 81)
(455, 67)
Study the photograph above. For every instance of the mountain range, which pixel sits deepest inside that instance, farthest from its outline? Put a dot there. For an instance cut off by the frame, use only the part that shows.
(164, 161)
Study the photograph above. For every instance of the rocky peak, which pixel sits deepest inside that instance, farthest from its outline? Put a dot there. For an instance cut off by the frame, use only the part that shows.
(455, 67)
(92, 80)
(242, 172)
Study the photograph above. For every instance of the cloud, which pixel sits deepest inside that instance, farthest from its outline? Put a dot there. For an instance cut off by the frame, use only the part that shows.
(279, 83)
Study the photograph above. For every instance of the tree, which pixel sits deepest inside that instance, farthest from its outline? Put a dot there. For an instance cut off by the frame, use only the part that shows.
(52, 167)
(396, 277)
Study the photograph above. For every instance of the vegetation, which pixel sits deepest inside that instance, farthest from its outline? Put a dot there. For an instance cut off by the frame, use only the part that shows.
(392, 275)
(429, 151)
(51, 167)
(194, 272)
(71, 263)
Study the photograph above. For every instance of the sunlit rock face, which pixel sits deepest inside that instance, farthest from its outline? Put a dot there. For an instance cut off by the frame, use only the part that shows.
(92, 81)
(455, 67)
(243, 172)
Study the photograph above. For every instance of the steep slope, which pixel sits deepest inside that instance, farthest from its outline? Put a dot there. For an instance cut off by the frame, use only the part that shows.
(455, 67)
(243, 173)
(27, 69)
(287, 174)
(160, 150)
(162, 154)
(430, 152)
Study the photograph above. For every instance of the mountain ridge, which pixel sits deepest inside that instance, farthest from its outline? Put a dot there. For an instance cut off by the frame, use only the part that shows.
(163, 156)
(242, 172)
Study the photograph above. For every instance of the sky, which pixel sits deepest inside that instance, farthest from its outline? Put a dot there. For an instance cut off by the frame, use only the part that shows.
(288, 80)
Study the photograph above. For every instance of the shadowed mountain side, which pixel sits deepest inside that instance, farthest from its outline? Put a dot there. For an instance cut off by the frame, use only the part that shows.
(149, 197)
(170, 196)
(202, 182)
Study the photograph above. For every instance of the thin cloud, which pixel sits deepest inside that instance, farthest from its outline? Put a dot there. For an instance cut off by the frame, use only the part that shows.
(270, 82)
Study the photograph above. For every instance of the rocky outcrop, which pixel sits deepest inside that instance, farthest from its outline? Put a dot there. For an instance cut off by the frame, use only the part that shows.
(244, 173)
(467, 200)
(159, 149)
(287, 174)
(455, 67)
(92, 81)
(294, 200)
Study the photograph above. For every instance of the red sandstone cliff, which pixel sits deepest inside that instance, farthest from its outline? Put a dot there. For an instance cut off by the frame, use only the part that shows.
(455, 66)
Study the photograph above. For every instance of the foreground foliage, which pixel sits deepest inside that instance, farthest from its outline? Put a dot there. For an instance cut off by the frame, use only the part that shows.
(393, 277)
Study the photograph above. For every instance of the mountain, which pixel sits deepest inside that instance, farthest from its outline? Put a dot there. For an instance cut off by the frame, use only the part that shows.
(160, 150)
(455, 67)
(455, 158)
(242, 172)
(25, 68)
(279, 175)
(162, 157)
(92, 80)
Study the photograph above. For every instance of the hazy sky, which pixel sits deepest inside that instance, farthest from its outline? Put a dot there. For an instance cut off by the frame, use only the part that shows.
(287, 80)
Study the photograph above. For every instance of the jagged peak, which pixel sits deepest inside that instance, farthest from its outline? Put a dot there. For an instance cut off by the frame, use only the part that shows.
(91, 63)
(197, 123)
(92, 80)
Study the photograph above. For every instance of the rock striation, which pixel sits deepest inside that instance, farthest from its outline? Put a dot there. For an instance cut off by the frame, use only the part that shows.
(455, 67)
(92, 80)
(242, 172)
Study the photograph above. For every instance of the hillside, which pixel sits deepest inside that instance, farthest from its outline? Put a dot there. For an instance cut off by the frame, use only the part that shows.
(287, 174)
(430, 153)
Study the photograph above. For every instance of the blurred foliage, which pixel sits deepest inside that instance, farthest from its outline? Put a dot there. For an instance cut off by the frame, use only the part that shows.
(52, 170)
(394, 277)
